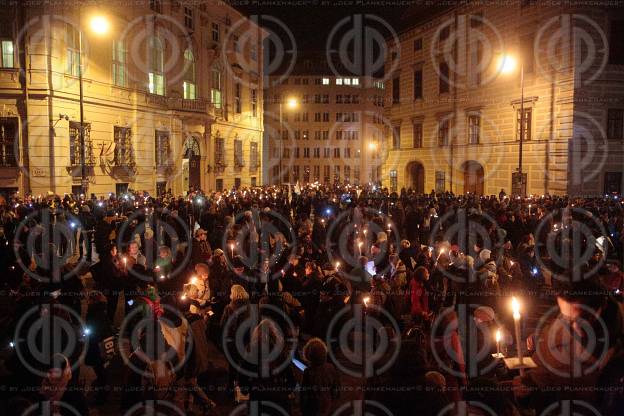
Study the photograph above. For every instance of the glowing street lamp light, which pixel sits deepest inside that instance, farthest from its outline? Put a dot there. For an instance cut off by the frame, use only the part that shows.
(508, 64)
(100, 25)
(291, 103)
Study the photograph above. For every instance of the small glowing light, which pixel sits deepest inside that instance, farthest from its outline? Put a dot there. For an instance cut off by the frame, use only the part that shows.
(99, 24)
(130, 302)
(72, 224)
(87, 331)
(337, 265)
(499, 336)
(511, 263)
(534, 271)
(162, 277)
(292, 103)
(515, 307)
(193, 280)
(183, 297)
(366, 300)
(507, 64)
(11, 344)
(100, 204)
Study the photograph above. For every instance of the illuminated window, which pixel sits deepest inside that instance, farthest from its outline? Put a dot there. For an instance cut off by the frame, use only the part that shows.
(156, 76)
(119, 63)
(325, 81)
(338, 81)
(215, 91)
(189, 86)
(7, 59)
(72, 40)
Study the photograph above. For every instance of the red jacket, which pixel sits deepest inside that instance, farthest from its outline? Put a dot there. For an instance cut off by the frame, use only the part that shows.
(418, 298)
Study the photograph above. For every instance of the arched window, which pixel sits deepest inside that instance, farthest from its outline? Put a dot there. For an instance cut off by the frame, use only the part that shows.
(215, 91)
(189, 85)
(156, 81)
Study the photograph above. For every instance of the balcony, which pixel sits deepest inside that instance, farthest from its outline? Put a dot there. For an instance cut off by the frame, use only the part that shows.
(199, 105)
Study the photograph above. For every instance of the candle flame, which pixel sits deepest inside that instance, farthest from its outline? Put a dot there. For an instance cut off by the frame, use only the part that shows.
(515, 307)
(498, 335)
(366, 300)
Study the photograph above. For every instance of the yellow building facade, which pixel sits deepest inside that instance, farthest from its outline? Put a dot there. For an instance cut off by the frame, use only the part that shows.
(466, 84)
(171, 97)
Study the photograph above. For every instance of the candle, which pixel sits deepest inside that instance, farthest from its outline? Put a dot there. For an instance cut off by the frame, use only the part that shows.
(232, 250)
(366, 300)
(360, 247)
(529, 209)
(337, 265)
(498, 340)
(515, 307)
(193, 280)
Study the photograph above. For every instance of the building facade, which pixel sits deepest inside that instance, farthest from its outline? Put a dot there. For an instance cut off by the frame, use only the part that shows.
(465, 86)
(171, 97)
(331, 126)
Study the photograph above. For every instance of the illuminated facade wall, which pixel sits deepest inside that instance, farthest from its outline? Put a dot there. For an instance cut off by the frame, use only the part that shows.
(172, 98)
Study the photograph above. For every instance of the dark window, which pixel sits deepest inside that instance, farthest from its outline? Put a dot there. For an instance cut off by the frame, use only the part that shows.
(253, 156)
(615, 124)
(219, 185)
(613, 183)
(393, 180)
(616, 40)
(396, 90)
(238, 154)
(474, 128)
(417, 132)
(237, 183)
(237, 98)
(445, 32)
(396, 137)
(444, 130)
(254, 102)
(156, 5)
(124, 155)
(219, 151)
(8, 138)
(254, 181)
(439, 181)
(526, 124)
(188, 18)
(121, 188)
(418, 44)
(444, 78)
(162, 156)
(74, 144)
(418, 85)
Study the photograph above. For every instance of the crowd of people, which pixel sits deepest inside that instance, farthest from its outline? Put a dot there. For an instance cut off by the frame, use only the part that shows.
(147, 291)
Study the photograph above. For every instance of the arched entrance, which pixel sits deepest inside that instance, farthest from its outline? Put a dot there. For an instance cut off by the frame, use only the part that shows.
(190, 164)
(415, 174)
(473, 177)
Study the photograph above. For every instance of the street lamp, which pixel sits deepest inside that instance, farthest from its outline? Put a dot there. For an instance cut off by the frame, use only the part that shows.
(508, 65)
(291, 103)
(99, 25)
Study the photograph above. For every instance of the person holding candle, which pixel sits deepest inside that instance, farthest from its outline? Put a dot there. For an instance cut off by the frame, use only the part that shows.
(579, 352)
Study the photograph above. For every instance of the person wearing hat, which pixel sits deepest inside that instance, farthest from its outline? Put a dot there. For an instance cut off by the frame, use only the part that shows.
(200, 250)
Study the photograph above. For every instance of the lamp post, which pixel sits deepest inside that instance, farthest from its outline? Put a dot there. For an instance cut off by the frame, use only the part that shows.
(509, 64)
(291, 103)
(100, 26)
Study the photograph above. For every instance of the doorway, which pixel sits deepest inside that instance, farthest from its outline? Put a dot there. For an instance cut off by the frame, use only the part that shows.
(416, 177)
(473, 177)
(191, 165)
